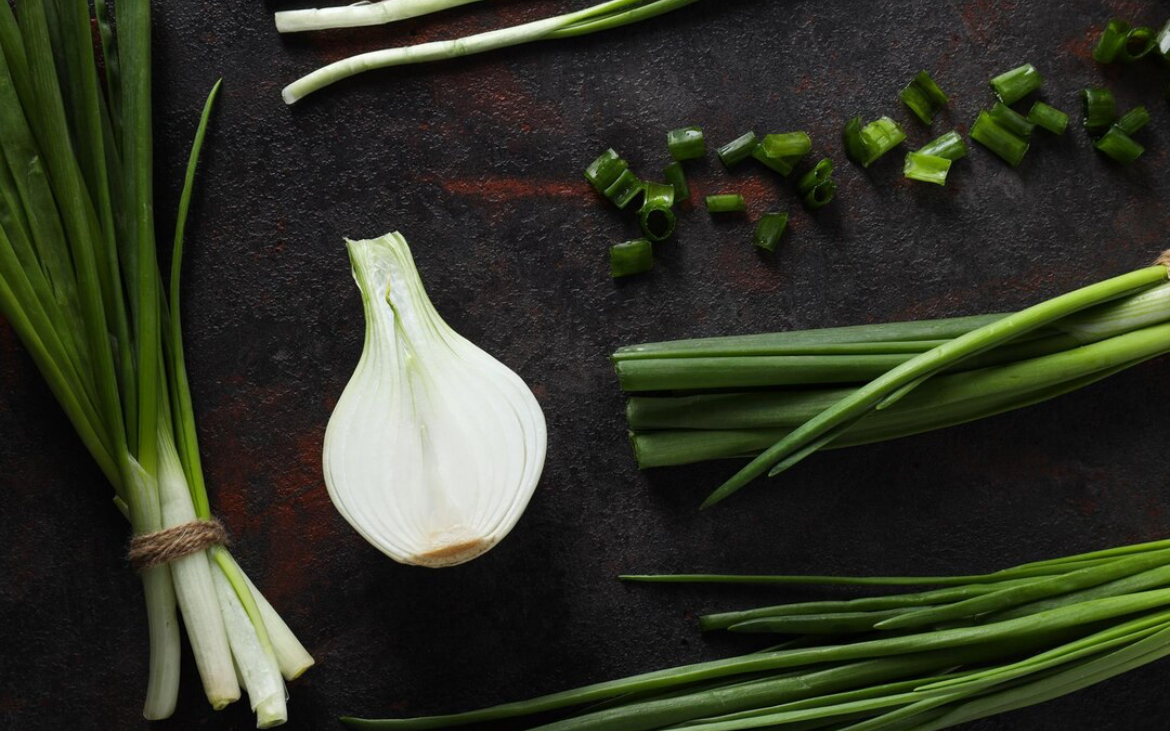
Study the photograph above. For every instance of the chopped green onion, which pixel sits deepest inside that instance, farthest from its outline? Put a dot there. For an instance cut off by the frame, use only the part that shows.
(1050, 118)
(1111, 42)
(631, 257)
(854, 146)
(656, 217)
(1118, 145)
(605, 170)
(821, 195)
(726, 203)
(950, 146)
(769, 230)
(678, 180)
(879, 137)
(1012, 86)
(787, 144)
(1011, 120)
(927, 168)
(1100, 109)
(782, 165)
(924, 97)
(687, 143)
(1132, 121)
(1138, 44)
(1008, 145)
(1163, 41)
(625, 189)
(739, 149)
(822, 172)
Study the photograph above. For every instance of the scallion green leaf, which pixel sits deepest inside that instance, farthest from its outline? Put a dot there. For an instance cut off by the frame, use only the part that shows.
(631, 257)
(1050, 118)
(769, 230)
(949, 146)
(625, 189)
(605, 170)
(739, 149)
(1119, 146)
(677, 178)
(1012, 86)
(656, 217)
(924, 97)
(1100, 109)
(726, 203)
(1008, 145)
(1111, 42)
(927, 168)
(1134, 120)
(1011, 120)
(687, 143)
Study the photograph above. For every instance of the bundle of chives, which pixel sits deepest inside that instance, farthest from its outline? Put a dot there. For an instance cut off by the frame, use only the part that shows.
(80, 284)
(782, 396)
(974, 646)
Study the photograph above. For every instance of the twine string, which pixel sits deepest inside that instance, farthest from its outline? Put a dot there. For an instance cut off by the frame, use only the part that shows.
(170, 544)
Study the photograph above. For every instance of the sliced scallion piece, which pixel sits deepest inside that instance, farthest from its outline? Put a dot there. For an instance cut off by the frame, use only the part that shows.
(1111, 42)
(949, 146)
(726, 203)
(879, 137)
(1003, 142)
(786, 144)
(625, 189)
(927, 168)
(656, 217)
(769, 230)
(631, 257)
(677, 178)
(1012, 86)
(924, 97)
(817, 187)
(1139, 42)
(1119, 146)
(605, 170)
(854, 146)
(1163, 41)
(782, 165)
(687, 143)
(1048, 117)
(1011, 120)
(739, 149)
(1100, 109)
(1134, 120)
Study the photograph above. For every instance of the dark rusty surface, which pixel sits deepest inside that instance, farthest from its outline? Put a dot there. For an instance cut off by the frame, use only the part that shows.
(478, 163)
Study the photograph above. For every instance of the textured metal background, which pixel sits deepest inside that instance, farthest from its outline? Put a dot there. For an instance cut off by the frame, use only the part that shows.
(479, 163)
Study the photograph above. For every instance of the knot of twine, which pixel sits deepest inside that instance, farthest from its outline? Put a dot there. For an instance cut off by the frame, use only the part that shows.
(170, 544)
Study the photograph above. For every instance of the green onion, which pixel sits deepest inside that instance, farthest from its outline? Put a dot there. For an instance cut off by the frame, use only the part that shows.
(787, 144)
(1100, 109)
(1050, 118)
(927, 168)
(1138, 44)
(687, 143)
(1119, 146)
(782, 165)
(726, 203)
(677, 178)
(365, 14)
(1134, 120)
(602, 16)
(816, 187)
(656, 217)
(854, 146)
(738, 150)
(605, 170)
(1163, 41)
(1011, 120)
(1012, 86)
(769, 230)
(1111, 42)
(923, 96)
(631, 257)
(1003, 142)
(625, 189)
(949, 145)
(879, 137)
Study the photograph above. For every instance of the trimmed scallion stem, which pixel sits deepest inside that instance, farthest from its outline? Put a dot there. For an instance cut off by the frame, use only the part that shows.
(769, 230)
(687, 143)
(924, 97)
(1003, 142)
(631, 257)
(927, 168)
(739, 149)
(1012, 86)
(726, 203)
(1048, 117)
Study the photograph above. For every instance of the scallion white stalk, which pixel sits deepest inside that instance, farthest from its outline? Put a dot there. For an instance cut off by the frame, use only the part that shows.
(255, 661)
(291, 655)
(360, 14)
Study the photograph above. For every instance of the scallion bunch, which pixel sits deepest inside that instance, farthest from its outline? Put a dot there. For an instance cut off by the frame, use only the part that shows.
(81, 284)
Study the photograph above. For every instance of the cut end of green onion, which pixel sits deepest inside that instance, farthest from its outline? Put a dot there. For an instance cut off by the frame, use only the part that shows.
(1100, 109)
(924, 97)
(1049, 118)
(786, 144)
(625, 190)
(782, 165)
(927, 168)
(819, 174)
(631, 257)
(821, 195)
(1119, 146)
(1009, 146)
(1111, 42)
(949, 146)
(1134, 120)
(1011, 120)
(769, 230)
(739, 149)
(1138, 44)
(605, 170)
(726, 203)
(656, 217)
(879, 137)
(687, 143)
(677, 178)
(1012, 86)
